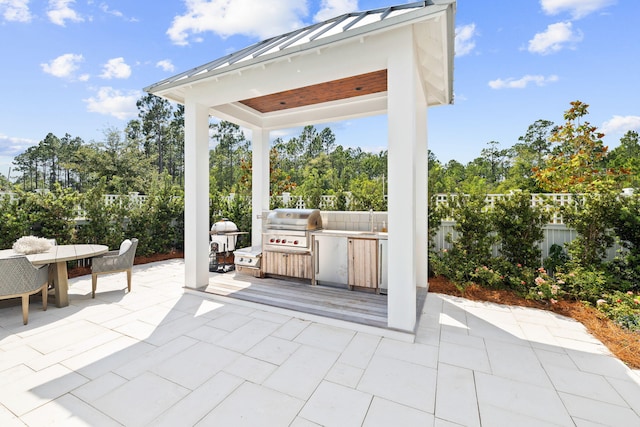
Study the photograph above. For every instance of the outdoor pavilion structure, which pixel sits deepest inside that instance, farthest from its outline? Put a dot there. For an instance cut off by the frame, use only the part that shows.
(396, 61)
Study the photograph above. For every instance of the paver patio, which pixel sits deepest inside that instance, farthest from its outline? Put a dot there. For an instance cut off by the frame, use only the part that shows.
(165, 356)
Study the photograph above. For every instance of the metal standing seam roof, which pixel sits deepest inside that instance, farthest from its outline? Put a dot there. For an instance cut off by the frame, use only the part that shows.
(290, 42)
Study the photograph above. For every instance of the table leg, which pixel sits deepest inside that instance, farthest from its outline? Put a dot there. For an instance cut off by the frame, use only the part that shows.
(58, 273)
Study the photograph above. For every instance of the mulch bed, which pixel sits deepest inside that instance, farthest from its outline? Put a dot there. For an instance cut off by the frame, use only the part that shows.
(621, 342)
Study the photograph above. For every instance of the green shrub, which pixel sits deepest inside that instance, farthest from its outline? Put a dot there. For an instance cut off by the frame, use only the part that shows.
(471, 248)
(13, 222)
(584, 283)
(158, 223)
(625, 269)
(591, 215)
(50, 214)
(455, 267)
(104, 223)
(488, 277)
(518, 225)
(621, 307)
(626, 224)
(556, 260)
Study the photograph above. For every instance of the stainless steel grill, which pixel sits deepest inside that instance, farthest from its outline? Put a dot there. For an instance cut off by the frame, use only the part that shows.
(287, 230)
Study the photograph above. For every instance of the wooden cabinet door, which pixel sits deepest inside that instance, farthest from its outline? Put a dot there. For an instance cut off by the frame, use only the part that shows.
(299, 265)
(287, 264)
(274, 263)
(363, 263)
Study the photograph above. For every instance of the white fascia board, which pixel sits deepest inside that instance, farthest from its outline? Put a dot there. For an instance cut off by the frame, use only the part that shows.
(239, 114)
(333, 63)
(364, 106)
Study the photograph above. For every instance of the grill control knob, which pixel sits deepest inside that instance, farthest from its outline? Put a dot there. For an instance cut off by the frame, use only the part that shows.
(278, 241)
(271, 240)
(284, 241)
(295, 242)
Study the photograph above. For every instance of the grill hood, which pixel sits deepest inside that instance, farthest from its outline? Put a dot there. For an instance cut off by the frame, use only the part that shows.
(294, 219)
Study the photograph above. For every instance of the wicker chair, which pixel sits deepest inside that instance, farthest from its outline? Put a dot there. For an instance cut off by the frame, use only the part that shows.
(114, 262)
(19, 278)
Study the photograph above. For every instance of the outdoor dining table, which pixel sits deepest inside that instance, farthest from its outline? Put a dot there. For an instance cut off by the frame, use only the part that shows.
(57, 257)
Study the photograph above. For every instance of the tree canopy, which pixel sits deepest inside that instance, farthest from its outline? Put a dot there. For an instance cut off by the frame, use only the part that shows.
(547, 157)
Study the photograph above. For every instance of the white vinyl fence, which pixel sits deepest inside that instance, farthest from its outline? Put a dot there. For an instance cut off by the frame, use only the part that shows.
(555, 232)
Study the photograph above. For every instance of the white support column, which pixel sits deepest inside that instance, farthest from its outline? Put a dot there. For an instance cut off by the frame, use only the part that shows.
(196, 195)
(403, 139)
(422, 198)
(260, 180)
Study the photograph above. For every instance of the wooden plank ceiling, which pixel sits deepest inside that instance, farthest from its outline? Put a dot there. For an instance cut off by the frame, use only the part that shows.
(363, 84)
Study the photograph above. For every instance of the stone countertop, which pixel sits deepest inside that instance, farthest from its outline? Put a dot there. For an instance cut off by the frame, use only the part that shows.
(352, 234)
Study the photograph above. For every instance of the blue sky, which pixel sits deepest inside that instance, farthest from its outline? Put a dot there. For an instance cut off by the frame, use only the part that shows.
(78, 67)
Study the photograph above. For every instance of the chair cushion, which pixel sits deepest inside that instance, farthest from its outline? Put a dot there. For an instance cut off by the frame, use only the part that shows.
(124, 246)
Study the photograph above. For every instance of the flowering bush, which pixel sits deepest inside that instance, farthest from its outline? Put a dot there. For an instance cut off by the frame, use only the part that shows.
(488, 277)
(546, 287)
(621, 307)
(584, 284)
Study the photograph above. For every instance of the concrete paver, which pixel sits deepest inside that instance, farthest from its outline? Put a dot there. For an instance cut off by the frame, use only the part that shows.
(165, 356)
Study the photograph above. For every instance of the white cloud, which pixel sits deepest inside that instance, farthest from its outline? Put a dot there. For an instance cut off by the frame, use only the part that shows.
(464, 42)
(252, 18)
(555, 38)
(15, 10)
(63, 66)
(522, 82)
(332, 8)
(577, 8)
(166, 65)
(113, 102)
(620, 125)
(60, 11)
(12, 146)
(105, 8)
(116, 68)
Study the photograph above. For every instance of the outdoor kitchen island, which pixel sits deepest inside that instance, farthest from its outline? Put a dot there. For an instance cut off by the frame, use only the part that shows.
(306, 268)
(296, 246)
(356, 260)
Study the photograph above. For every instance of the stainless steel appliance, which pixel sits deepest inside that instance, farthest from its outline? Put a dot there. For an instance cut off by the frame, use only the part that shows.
(286, 242)
(249, 260)
(331, 262)
(248, 257)
(288, 229)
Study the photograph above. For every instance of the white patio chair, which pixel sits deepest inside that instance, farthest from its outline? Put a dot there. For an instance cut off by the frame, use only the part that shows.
(114, 262)
(19, 278)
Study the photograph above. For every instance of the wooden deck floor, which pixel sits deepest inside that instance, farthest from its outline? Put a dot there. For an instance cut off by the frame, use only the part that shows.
(343, 304)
